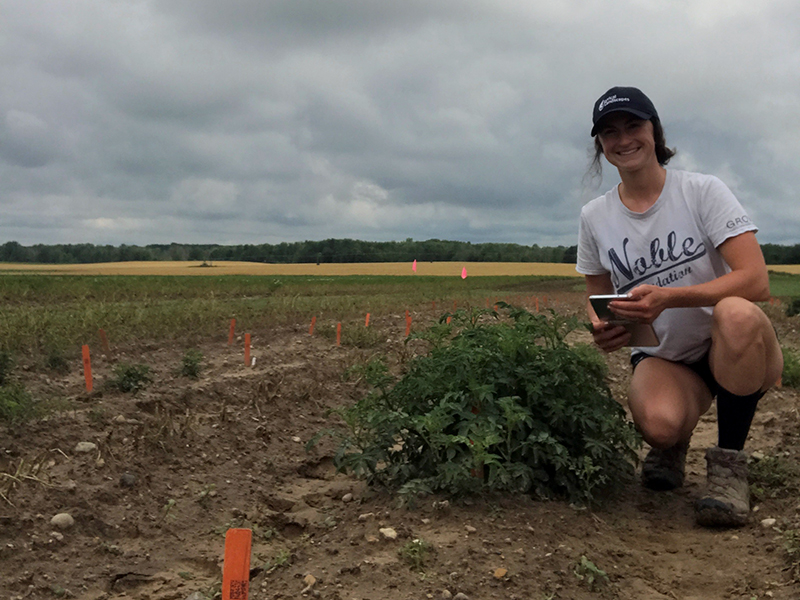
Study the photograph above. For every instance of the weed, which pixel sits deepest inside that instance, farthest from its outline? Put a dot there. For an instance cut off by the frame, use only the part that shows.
(97, 416)
(774, 477)
(56, 360)
(205, 495)
(791, 368)
(130, 378)
(509, 400)
(16, 404)
(415, 553)
(191, 363)
(281, 559)
(362, 337)
(6, 364)
(259, 533)
(793, 307)
(373, 372)
(791, 542)
(590, 574)
(168, 510)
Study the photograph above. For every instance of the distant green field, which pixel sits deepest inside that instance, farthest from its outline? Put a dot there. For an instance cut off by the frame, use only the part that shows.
(784, 285)
(66, 311)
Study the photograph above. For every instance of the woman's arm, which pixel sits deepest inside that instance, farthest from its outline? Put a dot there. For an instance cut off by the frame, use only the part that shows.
(748, 279)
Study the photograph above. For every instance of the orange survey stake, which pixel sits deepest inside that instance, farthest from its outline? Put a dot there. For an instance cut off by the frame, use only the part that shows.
(104, 341)
(236, 566)
(313, 322)
(87, 367)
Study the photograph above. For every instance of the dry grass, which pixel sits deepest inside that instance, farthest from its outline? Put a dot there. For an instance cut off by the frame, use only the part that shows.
(442, 269)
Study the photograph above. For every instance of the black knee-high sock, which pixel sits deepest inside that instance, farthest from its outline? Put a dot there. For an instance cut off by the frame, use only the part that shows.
(734, 416)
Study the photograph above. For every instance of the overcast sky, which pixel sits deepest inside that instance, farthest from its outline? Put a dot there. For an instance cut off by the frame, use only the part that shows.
(261, 121)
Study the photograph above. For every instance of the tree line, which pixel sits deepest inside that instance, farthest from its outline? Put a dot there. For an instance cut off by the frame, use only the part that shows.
(325, 251)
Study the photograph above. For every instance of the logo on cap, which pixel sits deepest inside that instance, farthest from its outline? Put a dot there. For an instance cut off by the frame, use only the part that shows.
(611, 100)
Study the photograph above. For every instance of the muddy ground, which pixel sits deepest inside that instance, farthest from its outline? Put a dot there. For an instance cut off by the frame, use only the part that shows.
(180, 462)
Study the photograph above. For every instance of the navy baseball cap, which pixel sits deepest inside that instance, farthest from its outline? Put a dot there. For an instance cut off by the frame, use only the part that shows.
(623, 99)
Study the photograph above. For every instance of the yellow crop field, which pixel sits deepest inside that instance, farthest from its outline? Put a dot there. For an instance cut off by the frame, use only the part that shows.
(441, 269)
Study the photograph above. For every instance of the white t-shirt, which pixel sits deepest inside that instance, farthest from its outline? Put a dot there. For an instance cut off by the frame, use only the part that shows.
(672, 244)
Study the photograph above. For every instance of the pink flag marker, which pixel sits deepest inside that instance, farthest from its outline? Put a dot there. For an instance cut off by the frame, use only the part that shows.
(464, 273)
(414, 266)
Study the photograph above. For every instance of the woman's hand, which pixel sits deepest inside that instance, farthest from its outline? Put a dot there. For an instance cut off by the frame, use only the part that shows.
(609, 337)
(644, 303)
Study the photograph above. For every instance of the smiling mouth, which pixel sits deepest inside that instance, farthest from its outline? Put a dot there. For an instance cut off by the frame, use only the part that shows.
(628, 152)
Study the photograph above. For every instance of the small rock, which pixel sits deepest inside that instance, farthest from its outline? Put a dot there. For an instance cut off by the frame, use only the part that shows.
(296, 439)
(388, 533)
(366, 517)
(470, 529)
(196, 596)
(500, 573)
(59, 537)
(127, 480)
(62, 520)
(100, 463)
(757, 455)
(120, 419)
(446, 595)
(371, 539)
(347, 498)
(426, 521)
(309, 580)
(460, 596)
(85, 447)
(768, 522)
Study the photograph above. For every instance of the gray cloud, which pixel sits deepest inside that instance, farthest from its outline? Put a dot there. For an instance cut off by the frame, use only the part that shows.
(146, 121)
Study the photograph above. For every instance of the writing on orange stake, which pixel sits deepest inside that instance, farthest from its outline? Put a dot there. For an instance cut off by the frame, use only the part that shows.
(230, 332)
(246, 349)
(366, 321)
(339, 334)
(236, 565)
(313, 322)
(104, 341)
(87, 367)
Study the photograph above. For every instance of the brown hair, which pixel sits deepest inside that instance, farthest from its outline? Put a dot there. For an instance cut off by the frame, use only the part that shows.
(663, 154)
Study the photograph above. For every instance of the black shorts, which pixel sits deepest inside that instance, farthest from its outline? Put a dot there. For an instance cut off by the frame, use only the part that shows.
(701, 367)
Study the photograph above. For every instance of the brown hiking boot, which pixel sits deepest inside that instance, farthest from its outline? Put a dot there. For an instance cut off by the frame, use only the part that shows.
(726, 502)
(664, 469)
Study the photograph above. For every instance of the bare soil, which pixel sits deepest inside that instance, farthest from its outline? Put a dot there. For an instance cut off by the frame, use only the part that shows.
(177, 464)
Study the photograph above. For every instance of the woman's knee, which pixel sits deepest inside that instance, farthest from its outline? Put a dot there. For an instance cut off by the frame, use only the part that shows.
(737, 324)
(660, 428)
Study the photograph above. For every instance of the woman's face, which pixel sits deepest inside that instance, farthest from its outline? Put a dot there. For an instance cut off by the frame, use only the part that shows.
(627, 141)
